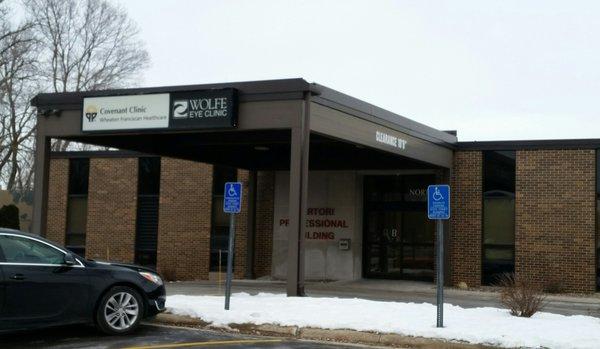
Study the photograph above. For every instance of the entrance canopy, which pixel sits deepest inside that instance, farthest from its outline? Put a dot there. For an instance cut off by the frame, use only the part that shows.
(262, 125)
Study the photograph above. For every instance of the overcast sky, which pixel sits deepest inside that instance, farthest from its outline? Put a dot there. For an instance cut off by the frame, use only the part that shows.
(492, 70)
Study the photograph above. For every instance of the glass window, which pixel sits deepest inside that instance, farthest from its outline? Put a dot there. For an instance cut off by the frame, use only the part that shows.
(77, 215)
(398, 236)
(499, 171)
(77, 202)
(499, 221)
(22, 250)
(146, 240)
(221, 175)
(79, 170)
(415, 189)
(417, 226)
(149, 176)
(219, 218)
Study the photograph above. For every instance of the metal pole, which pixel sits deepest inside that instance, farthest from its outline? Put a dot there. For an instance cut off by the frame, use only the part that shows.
(440, 273)
(230, 259)
(219, 280)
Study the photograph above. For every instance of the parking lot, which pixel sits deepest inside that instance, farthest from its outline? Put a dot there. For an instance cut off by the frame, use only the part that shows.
(148, 336)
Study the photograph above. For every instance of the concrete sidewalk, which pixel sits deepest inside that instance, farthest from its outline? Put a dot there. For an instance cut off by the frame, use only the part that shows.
(391, 290)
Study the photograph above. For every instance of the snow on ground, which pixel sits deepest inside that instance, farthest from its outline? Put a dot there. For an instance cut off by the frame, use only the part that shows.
(475, 325)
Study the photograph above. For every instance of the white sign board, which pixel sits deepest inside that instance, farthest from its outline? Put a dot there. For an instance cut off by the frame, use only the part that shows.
(125, 112)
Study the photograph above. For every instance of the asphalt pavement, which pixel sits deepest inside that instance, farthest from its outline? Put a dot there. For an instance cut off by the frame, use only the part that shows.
(149, 336)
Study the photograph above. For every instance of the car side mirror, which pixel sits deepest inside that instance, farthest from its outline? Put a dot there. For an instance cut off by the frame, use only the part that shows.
(69, 259)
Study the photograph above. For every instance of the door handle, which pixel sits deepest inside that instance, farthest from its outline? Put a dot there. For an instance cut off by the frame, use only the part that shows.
(18, 277)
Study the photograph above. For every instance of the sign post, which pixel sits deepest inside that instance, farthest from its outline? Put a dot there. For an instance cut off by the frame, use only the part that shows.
(438, 208)
(232, 204)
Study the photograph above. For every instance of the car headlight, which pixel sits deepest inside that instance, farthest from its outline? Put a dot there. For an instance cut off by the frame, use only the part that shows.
(151, 277)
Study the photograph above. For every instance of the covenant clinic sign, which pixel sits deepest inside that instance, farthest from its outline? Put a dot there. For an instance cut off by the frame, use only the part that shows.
(177, 110)
(125, 112)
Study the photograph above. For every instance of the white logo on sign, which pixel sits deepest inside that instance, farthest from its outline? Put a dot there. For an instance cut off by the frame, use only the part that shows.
(231, 191)
(437, 196)
(180, 109)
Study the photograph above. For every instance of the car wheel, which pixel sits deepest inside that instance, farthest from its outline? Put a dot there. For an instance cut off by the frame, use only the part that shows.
(120, 310)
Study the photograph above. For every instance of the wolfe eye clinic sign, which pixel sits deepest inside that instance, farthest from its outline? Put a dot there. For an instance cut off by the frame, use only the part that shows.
(177, 110)
(204, 109)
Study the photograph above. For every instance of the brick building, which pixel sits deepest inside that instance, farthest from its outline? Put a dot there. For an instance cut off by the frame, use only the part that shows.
(356, 209)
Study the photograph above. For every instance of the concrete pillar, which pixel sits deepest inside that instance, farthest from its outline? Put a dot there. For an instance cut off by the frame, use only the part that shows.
(40, 186)
(299, 154)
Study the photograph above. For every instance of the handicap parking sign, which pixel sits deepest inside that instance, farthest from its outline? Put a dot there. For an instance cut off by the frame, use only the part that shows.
(438, 201)
(232, 202)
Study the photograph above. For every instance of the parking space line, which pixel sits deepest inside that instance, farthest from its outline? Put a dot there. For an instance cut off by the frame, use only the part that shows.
(205, 344)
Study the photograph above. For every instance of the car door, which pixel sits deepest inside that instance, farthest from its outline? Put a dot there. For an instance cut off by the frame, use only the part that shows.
(2, 291)
(39, 288)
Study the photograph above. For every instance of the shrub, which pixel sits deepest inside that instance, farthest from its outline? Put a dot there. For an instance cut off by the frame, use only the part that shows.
(521, 297)
(9, 217)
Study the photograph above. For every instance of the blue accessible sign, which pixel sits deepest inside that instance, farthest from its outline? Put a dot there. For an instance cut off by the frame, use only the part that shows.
(438, 201)
(233, 197)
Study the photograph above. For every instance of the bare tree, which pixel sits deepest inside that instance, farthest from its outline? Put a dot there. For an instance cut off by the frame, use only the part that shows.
(10, 35)
(86, 45)
(17, 119)
(63, 45)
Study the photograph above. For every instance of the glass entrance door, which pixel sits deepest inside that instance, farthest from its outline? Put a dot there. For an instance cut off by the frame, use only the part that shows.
(398, 237)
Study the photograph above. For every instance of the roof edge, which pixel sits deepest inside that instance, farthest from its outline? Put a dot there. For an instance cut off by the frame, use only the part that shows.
(413, 127)
(244, 87)
(581, 143)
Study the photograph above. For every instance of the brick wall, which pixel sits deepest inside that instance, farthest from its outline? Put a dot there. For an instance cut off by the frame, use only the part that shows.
(263, 240)
(555, 228)
(58, 189)
(184, 219)
(555, 225)
(112, 201)
(465, 239)
(184, 215)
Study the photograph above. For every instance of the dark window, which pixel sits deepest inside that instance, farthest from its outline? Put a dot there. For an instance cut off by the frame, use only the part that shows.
(149, 176)
(499, 168)
(147, 211)
(79, 171)
(219, 235)
(77, 201)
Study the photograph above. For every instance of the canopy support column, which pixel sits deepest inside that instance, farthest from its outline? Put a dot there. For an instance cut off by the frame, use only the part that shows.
(40, 185)
(300, 140)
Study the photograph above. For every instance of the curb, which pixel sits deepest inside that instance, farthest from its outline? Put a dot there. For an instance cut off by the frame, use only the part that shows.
(319, 334)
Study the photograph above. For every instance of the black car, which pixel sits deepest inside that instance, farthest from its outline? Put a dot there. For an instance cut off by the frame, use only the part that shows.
(42, 285)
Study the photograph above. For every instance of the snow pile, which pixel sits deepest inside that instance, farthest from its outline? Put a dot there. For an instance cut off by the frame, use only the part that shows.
(491, 326)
